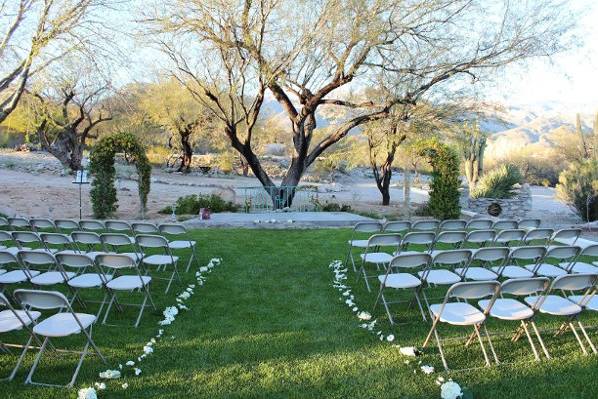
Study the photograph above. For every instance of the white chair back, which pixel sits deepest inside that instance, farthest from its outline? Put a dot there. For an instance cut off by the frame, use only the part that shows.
(505, 225)
(86, 237)
(574, 282)
(116, 261)
(55, 239)
(491, 254)
(118, 225)
(66, 224)
(39, 299)
(529, 223)
(451, 237)
(453, 224)
(452, 257)
(41, 224)
(570, 235)
(151, 241)
(115, 239)
(74, 261)
(480, 236)
(172, 228)
(474, 290)
(397, 226)
(384, 240)
(92, 225)
(7, 258)
(538, 235)
(410, 261)
(533, 253)
(145, 228)
(591, 250)
(25, 237)
(510, 235)
(425, 225)
(419, 238)
(479, 224)
(525, 286)
(19, 223)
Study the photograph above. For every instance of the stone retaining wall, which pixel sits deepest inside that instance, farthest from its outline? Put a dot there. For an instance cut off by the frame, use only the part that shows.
(515, 207)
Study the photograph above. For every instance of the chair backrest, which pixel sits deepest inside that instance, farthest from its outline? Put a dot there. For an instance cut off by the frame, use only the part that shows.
(66, 224)
(115, 261)
(533, 253)
(86, 237)
(18, 222)
(450, 237)
(55, 239)
(397, 226)
(41, 223)
(563, 253)
(419, 238)
(590, 250)
(384, 240)
(7, 258)
(144, 228)
(3, 221)
(474, 290)
(505, 225)
(74, 261)
(410, 261)
(505, 236)
(25, 237)
(5, 236)
(115, 239)
(525, 286)
(453, 224)
(118, 225)
(538, 234)
(39, 299)
(368, 227)
(479, 224)
(480, 236)
(4, 300)
(425, 225)
(92, 225)
(529, 223)
(452, 257)
(36, 258)
(571, 235)
(574, 282)
(491, 254)
(151, 241)
(172, 228)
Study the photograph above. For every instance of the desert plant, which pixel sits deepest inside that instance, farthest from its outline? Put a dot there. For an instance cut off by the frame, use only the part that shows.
(578, 187)
(498, 183)
(191, 204)
(472, 144)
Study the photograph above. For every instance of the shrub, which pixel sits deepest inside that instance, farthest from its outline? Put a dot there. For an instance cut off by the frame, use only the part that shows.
(578, 187)
(191, 204)
(498, 183)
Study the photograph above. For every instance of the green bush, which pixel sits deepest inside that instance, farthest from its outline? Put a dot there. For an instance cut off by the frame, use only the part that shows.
(498, 183)
(578, 187)
(444, 187)
(191, 204)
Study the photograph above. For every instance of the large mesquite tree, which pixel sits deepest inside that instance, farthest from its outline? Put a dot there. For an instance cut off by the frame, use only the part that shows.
(310, 54)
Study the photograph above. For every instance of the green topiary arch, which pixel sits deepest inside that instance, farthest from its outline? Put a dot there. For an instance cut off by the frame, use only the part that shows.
(444, 188)
(101, 167)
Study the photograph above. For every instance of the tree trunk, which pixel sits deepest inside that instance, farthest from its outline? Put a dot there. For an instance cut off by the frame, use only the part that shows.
(244, 165)
(407, 190)
(187, 154)
(66, 147)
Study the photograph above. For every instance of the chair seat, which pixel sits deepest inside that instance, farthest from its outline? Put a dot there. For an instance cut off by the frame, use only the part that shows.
(10, 322)
(513, 271)
(591, 305)
(50, 278)
(88, 280)
(63, 324)
(182, 244)
(358, 243)
(400, 280)
(458, 313)
(376, 257)
(507, 309)
(67, 252)
(2, 271)
(16, 276)
(160, 260)
(13, 250)
(581, 267)
(126, 283)
(547, 270)
(555, 305)
(94, 254)
(478, 273)
(440, 277)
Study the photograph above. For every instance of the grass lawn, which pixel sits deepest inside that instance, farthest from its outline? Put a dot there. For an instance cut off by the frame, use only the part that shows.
(268, 324)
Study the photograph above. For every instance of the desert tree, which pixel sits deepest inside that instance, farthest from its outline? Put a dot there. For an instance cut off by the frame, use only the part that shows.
(35, 34)
(471, 142)
(308, 54)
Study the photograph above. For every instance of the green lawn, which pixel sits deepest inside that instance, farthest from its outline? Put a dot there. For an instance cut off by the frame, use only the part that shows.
(269, 324)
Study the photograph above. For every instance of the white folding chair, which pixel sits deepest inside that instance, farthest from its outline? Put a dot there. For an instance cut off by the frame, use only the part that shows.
(395, 278)
(65, 322)
(583, 267)
(119, 281)
(145, 228)
(12, 270)
(534, 235)
(88, 242)
(3, 222)
(450, 239)
(373, 254)
(559, 306)
(528, 224)
(479, 224)
(7, 241)
(480, 237)
(57, 242)
(452, 224)
(120, 226)
(425, 225)
(485, 259)
(24, 238)
(41, 224)
(442, 269)
(357, 238)
(92, 225)
(66, 224)
(505, 224)
(419, 238)
(50, 272)
(511, 309)
(397, 226)
(163, 260)
(17, 223)
(562, 255)
(513, 267)
(464, 314)
(176, 230)
(504, 238)
(565, 237)
(12, 320)
(114, 242)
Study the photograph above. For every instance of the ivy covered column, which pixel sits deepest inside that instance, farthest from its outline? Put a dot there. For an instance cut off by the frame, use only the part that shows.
(103, 192)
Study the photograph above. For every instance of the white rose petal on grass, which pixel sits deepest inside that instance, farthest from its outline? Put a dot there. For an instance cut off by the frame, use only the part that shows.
(390, 338)
(130, 363)
(427, 369)
(110, 374)
(137, 371)
(87, 393)
(100, 386)
(364, 316)
(450, 390)
(408, 351)
(125, 385)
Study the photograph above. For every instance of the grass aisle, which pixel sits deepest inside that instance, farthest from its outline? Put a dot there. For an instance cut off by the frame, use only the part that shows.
(268, 324)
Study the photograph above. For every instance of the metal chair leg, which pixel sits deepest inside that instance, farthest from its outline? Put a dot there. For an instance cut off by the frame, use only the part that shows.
(533, 323)
(579, 341)
(530, 340)
(586, 336)
(477, 332)
(490, 344)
